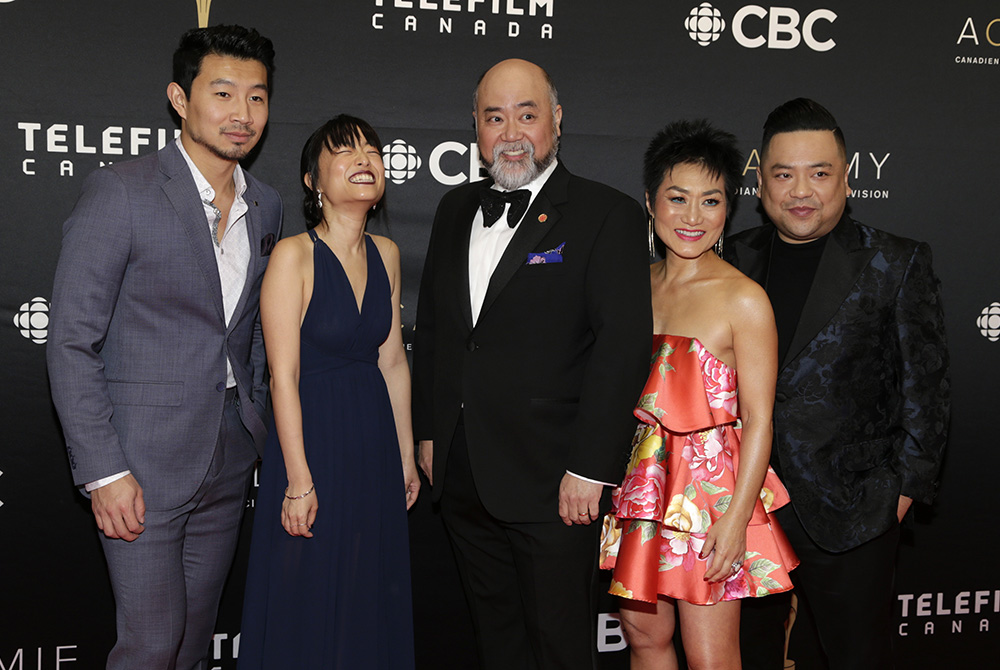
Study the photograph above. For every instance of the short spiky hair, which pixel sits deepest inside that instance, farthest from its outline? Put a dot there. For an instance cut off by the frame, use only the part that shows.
(800, 114)
(234, 41)
(340, 131)
(694, 143)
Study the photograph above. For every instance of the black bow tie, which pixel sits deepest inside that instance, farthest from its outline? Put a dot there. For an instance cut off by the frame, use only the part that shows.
(493, 202)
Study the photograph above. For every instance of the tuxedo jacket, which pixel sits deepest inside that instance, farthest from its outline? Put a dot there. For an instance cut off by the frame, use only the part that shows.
(138, 340)
(547, 378)
(862, 399)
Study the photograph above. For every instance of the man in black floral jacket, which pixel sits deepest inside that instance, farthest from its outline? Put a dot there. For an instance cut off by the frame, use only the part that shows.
(862, 400)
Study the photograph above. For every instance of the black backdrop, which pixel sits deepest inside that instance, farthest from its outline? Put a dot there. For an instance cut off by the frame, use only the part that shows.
(913, 84)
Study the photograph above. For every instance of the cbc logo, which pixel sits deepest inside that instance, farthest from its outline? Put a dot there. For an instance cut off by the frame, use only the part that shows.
(450, 163)
(401, 161)
(704, 24)
(33, 320)
(754, 26)
(989, 322)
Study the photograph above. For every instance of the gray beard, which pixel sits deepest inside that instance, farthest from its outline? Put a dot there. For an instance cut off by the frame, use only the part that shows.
(511, 176)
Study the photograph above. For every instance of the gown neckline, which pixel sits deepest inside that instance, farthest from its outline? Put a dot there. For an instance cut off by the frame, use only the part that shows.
(360, 308)
(700, 344)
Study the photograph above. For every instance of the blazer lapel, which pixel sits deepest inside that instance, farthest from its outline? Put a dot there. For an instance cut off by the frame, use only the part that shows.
(537, 222)
(183, 195)
(842, 262)
(254, 229)
(754, 254)
(465, 216)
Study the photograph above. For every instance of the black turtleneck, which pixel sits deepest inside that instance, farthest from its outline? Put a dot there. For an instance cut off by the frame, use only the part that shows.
(790, 274)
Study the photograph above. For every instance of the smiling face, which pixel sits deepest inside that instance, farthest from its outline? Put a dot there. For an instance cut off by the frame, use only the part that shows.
(689, 210)
(226, 111)
(802, 184)
(516, 127)
(350, 175)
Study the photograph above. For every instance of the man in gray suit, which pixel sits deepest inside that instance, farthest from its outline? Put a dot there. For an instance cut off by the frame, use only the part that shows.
(155, 354)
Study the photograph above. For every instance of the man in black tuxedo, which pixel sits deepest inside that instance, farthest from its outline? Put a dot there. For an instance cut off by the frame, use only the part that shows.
(532, 344)
(862, 400)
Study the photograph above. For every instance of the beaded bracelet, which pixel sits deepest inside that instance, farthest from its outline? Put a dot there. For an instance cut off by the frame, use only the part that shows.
(301, 496)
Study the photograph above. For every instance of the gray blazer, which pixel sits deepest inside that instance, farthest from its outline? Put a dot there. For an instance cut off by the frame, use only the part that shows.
(138, 341)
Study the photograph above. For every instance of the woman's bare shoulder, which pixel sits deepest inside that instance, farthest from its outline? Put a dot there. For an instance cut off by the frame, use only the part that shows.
(746, 298)
(389, 252)
(291, 253)
(385, 246)
(294, 244)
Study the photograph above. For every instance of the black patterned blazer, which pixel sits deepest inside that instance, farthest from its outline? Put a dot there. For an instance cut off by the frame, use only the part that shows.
(862, 400)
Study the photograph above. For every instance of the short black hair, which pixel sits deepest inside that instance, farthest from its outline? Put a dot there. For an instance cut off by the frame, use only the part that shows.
(340, 131)
(695, 143)
(800, 114)
(234, 41)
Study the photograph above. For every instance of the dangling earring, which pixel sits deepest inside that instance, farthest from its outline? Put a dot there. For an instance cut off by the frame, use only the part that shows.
(718, 245)
(652, 247)
(319, 199)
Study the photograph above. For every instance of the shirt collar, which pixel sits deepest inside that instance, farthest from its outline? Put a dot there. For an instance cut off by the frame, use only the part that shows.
(205, 190)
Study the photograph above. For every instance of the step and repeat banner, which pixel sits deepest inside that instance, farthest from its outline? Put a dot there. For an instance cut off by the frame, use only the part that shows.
(914, 85)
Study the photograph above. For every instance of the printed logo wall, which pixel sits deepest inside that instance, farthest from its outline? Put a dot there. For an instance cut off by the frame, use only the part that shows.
(952, 613)
(978, 42)
(32, 320)
(450, 162)
(755, 26)
(476, 17)
(50, 143)
(989, 322)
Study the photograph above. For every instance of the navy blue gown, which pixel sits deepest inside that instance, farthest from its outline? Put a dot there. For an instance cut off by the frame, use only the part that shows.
(340, 599)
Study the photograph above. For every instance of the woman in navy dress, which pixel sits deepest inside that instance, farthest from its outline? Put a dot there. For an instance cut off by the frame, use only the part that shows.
(328, 585)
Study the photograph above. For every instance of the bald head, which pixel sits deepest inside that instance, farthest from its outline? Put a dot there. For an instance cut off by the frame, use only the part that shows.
(518, 121)
(515, 69)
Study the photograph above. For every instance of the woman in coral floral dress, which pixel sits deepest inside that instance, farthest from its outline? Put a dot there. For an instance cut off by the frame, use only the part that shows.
(690, 524)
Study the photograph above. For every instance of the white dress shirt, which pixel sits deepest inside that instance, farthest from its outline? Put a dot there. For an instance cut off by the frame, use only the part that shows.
(486, 245)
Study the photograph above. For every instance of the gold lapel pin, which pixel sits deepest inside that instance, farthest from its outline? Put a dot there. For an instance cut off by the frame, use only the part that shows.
(542, 218)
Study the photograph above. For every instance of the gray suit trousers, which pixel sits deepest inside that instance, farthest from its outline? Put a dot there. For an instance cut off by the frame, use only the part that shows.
(168, 582)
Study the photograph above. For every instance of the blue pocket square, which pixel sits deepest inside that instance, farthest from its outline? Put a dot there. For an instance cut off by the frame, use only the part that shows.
(550, 256)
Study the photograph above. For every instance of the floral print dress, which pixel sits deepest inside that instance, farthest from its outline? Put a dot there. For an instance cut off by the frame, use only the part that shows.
(680, 480)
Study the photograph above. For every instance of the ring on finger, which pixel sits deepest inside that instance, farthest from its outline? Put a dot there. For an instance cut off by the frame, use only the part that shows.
(736, 565)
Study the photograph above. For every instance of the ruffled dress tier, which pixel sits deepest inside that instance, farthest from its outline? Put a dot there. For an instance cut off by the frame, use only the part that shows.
(680, 480)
